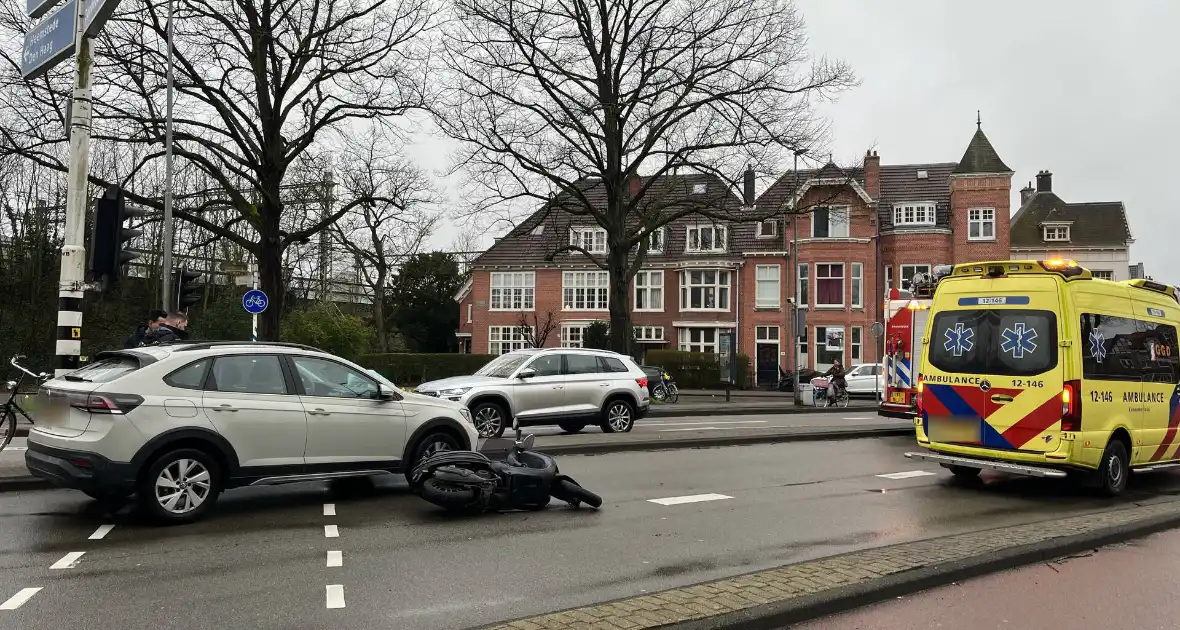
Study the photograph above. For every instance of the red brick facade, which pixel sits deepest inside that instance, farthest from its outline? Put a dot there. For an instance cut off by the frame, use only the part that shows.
(848, 265)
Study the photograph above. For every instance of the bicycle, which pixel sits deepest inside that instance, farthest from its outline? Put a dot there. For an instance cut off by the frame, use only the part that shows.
(11, 407)
(665, 390)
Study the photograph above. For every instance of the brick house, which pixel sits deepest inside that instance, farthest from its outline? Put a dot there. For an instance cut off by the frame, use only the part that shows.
(866, 228)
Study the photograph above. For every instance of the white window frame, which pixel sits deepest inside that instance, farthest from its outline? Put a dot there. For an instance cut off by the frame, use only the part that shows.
(645, 286)
(978, 218)
(720, 289)
(762, 334)
(917, 267)
(576, 287)
(658, 236)
(649, 334)
(843, 285)
(591, 239)
(762, 233)
(569, 339)
(855, 345)
(469, 309)
(774, 301)
(687, 344)
(1055, 233)
(505, 339)
(719, 234)
(1102, 274)
(517, 294)
(911, 213)
(844, 211)
(857, 287)
(888, 279)
(803, 285)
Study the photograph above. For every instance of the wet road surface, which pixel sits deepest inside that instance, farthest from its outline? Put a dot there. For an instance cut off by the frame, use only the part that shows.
(1123, 586)
(264, 559)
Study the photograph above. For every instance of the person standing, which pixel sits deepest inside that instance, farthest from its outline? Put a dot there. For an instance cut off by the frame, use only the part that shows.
(174, 328)
(155, 318)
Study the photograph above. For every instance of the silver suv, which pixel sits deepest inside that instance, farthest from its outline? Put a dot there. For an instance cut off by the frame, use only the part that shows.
(178, 424)
(568, 387)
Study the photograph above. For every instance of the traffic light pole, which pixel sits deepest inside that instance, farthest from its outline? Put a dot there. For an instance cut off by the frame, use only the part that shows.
(73, 251)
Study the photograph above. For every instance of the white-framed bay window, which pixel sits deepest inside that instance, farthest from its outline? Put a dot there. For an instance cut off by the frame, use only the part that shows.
(649, 290)
(585, 290)
(699, 339)
(829, 284)
(704, 290)
(767, 290)
(981, 224)
(705, 239)
(591, 239)
(512, 290)
(911, 213)
(572, 334)
(503, 339)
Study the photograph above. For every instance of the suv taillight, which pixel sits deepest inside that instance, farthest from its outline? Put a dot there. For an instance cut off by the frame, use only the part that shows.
(641, 381)
(106, 403)
(1071, 406)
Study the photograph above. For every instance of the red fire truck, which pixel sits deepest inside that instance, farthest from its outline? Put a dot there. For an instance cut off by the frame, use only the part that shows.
(906, 312)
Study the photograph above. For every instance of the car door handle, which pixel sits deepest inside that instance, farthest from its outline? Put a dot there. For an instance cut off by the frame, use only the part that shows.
(318, 412)
(1001, 398)
(225, 408)
(559, 387)
(604, 384)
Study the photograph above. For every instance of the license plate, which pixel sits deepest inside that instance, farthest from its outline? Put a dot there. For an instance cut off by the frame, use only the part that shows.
(897, 397)
(954, 429)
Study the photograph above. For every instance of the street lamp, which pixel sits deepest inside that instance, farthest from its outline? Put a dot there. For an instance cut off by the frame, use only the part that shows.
(166, 266)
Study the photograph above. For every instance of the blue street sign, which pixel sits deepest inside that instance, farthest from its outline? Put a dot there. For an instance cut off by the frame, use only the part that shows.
(50, 41)
(37, 8)
(254, 301)
(97, 14)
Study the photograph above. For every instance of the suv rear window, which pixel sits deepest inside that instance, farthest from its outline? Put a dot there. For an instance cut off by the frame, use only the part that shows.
(1007, 342)
(105, 369)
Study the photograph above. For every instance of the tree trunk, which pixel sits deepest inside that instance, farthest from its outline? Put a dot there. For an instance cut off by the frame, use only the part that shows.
(379, 314)
(620, 314)
(270, 280)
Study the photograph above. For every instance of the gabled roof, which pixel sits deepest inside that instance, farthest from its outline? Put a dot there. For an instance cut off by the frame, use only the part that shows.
(981, 157)
(900, 183)
(1100, 224)
(783, 190)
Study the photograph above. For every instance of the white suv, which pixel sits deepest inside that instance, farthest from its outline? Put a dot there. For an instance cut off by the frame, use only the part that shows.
(177, 424)
(569, 387)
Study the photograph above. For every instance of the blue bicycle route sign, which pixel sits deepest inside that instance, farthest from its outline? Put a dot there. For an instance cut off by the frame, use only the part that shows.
(254, 301)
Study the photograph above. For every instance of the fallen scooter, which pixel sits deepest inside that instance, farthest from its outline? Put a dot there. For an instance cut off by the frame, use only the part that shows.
(471, 482)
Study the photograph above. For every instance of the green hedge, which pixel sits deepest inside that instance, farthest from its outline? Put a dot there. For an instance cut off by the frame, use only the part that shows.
(697, 370)
(408, 369)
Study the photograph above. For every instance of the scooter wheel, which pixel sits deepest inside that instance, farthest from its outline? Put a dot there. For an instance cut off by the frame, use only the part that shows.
(450, 496)
(568, 490)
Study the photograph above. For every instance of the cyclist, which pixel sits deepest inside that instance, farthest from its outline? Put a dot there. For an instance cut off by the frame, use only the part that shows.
(835, 375)
(174, 328)
(155, 318)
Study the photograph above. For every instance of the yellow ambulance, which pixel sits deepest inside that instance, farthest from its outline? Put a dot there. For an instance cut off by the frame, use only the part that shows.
(1038, 368)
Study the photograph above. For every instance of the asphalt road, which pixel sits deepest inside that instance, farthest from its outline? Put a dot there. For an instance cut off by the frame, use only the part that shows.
(719, 424)
(261, 561)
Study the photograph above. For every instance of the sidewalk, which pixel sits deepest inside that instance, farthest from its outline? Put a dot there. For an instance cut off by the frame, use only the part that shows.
(700, 405)
(803, 591)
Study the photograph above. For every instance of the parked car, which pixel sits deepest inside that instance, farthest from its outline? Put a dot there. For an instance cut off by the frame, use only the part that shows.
(178, 424)
(866, 379)
(786, 381)
(567, 387)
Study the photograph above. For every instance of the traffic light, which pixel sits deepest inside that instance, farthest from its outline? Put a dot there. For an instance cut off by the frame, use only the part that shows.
(109, 237)
(188, 290)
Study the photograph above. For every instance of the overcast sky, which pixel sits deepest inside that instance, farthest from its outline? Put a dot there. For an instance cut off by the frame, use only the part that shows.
(1087, 89)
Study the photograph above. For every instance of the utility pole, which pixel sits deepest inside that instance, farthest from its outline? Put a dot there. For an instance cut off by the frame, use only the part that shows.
(795, 286)
(73, 251)
(166, 272)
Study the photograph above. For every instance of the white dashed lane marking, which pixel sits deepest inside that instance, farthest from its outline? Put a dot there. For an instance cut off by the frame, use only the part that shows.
(69, 561)
(18, 600)
(101, 532)
(908, 474)
(335, 558)
(711, 422)
(335, 595)
(693, 498)
(329, 509)
(331, 531)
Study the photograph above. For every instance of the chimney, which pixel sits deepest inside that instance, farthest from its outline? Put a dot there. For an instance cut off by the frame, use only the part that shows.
(634, 183)
(1044, 181)
(1026, 193)
(873, 174)
(748, 189)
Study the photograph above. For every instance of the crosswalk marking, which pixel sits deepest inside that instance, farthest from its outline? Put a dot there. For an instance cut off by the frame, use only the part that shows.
(68, 561)
(908, 474)
(331, 531)
(693, 498)
(101, 532)
(335, 558)
(335, 593)
(18, 600)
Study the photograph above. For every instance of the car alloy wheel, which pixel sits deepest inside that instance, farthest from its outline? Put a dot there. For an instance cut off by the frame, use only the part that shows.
(619, 416)
(435, 447)
(488, 421)
(182, 486)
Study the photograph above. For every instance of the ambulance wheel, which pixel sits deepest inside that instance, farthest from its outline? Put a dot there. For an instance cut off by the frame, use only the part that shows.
(1113, 469)
(964, 472)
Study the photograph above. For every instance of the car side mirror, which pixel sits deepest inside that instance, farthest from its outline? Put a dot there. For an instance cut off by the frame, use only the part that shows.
(385, 392)
(526, 373)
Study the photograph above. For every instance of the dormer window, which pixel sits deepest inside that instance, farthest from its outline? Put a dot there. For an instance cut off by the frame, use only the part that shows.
(705, 239)
(698, 189)
(913, 214)
(1056, 233)
(767, 229)
(593, 240)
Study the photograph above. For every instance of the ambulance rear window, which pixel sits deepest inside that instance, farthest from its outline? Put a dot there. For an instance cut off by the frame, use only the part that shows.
(1004, 342)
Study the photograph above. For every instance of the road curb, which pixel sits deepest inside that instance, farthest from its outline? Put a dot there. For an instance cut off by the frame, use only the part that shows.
(671, 411)
(601, 448)
(840, 599)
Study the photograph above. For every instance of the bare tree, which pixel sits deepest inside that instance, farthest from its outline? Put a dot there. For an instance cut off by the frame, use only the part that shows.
(379, 236)
(536, 333)
(572, 102)
(259, 84)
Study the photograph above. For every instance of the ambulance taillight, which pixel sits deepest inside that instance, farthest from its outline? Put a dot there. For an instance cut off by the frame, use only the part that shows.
(1071, 406)
(921, 387)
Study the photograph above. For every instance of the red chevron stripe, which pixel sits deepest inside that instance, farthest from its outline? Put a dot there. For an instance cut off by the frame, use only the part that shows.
(1169, 437)
(1035, 423)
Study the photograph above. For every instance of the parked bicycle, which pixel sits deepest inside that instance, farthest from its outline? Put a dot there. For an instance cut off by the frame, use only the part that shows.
(665, 389)
(12, 407)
